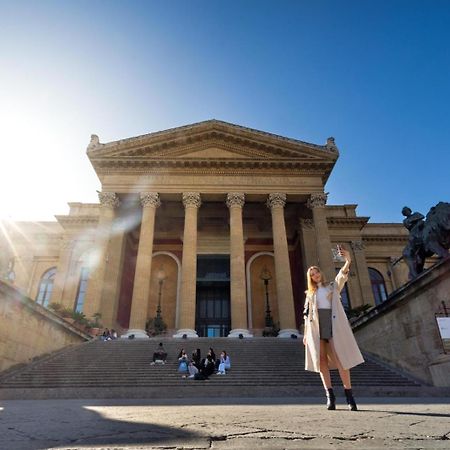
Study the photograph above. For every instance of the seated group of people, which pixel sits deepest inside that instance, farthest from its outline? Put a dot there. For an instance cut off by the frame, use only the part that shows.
(201, 369)
(196, 367)
(109, 335)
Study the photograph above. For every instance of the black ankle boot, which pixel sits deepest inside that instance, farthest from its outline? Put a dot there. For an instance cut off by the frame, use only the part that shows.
(331, 399)
(350, 400)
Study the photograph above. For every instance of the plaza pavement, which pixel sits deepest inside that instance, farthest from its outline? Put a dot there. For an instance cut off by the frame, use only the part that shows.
(215, 423)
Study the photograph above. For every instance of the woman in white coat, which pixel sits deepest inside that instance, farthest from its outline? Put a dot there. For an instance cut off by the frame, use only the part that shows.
(328, 338)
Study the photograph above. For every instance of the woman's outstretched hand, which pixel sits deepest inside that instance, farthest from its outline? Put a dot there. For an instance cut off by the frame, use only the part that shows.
(304, 340)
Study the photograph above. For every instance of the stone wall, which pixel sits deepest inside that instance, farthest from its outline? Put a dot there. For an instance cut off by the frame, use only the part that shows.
(28, 330)
(403, 331)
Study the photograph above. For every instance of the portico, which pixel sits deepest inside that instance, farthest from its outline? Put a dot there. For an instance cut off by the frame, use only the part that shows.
(211, 188)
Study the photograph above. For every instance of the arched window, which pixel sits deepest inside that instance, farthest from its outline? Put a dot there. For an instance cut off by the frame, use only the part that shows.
(378, 286)
(46, 287)
(82, 286)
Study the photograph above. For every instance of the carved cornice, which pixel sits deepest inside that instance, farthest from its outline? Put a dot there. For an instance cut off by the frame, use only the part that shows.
(235, 199)
(276, 200)
(387, 239)
(111, 165)
(108, 199)
(317, 200)
(150, 199)
(191, 199)
(306, 224)
(347, 222)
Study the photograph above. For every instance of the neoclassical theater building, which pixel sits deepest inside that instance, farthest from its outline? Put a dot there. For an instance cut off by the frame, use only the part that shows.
(213, 223)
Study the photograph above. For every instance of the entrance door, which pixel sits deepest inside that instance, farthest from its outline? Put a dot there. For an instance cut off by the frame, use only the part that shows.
(213, 317)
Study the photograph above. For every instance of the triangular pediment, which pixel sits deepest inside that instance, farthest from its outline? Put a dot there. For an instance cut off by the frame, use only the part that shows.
(209, 144)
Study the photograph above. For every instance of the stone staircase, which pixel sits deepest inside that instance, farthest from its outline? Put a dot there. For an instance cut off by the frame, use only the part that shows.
(122, 369)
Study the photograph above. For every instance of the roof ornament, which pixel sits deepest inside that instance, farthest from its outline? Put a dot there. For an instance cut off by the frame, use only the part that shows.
(331, 145)
(94, 142)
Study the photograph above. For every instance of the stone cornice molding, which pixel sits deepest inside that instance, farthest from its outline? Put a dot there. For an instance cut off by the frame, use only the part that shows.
(276, 200)
(317, 200)
(150, 199)
(387, 239)
(225, 164)
(347, 222)
(108, 199)
(211, 129)
(235, 199)
(191, 200)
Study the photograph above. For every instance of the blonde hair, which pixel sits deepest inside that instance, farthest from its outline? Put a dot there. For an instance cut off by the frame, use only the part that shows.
(312, 285)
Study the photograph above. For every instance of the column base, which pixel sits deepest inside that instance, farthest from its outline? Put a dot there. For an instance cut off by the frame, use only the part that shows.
(238, 332)
(185, 333)
(138, 334)
(289, 333)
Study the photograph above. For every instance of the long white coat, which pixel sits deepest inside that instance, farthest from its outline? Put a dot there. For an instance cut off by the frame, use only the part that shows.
(343, 341)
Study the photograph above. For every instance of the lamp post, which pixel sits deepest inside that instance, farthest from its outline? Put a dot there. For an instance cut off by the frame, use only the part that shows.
(266, 276)
(161, 276)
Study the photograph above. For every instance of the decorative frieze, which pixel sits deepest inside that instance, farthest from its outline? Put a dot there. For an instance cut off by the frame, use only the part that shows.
(235, 199)
(317, 200)
(150, 199)
(306, 224)
(108, 199)
(276, 199)
(357, 245)
(191, 199)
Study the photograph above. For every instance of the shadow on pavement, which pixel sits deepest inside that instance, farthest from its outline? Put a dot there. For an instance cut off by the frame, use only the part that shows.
(31, 426)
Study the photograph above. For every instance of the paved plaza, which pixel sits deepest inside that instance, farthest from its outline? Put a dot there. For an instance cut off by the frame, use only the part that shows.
(224, 424)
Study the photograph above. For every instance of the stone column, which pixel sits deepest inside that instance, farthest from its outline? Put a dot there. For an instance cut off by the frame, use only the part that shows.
(317, 204)
(286, 311)
(362, 270)
(235, 203)
(141, 288)
(191, 202)
(62, 274)
(109, 201)
(308, 239)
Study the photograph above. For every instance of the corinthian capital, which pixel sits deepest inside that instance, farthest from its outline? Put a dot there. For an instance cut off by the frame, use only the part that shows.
(318, 200)
(150, 199)
(276, 199)
(235, 199)
(191, 199)
(108, 199)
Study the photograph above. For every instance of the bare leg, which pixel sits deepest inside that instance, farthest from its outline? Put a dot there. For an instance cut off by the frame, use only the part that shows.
(343, 373)
(324, 369)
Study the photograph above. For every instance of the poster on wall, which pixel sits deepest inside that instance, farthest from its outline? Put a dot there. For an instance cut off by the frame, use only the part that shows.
(444, 330)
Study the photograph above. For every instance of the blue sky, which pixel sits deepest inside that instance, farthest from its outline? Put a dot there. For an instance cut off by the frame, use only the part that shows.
(373, 74)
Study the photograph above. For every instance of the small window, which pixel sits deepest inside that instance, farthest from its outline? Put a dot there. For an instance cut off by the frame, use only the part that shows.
(46, 287)
(378, 286)
(82, 287)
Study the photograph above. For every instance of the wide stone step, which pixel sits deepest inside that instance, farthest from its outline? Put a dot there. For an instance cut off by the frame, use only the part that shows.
(262, 366)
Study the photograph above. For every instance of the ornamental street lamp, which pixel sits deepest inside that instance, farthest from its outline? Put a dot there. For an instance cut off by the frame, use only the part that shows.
(266, 276)
(161, 276)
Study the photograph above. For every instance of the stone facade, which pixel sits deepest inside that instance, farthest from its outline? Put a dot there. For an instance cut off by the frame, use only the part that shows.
(29, 331)
(200, 198)
(404, 332)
